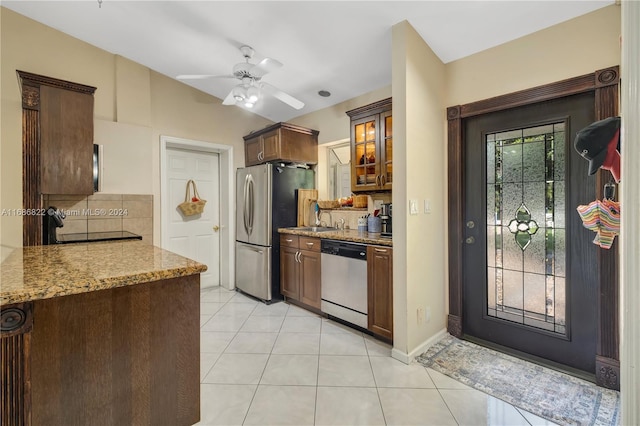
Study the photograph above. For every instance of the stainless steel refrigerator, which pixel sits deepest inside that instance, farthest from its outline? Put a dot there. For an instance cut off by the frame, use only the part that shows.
(265, 201)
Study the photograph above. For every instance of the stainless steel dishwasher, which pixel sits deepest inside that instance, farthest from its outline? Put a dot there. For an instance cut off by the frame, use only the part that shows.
(344, 281)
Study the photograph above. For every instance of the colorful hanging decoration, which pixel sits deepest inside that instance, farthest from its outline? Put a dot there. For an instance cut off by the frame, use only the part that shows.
(602, 217)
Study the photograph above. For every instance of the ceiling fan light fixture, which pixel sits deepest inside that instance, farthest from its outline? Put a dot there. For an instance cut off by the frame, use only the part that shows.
(253, 94)
(239, 93)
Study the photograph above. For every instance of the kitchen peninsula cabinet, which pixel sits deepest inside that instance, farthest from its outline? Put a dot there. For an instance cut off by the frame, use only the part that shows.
(281, 142)
(380, 290)
(300, 269)
(100, 334)
(372, 147)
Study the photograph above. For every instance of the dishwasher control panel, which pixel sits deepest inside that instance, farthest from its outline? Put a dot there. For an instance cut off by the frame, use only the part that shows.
(344, 249)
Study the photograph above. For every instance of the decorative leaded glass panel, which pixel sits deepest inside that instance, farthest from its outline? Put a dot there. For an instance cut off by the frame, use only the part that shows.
(525, 226)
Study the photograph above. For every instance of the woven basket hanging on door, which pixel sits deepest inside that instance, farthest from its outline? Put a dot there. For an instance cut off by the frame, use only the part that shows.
(192, 204)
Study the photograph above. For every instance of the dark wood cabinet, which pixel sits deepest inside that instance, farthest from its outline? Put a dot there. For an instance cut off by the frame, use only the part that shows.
(310, 271)
(121, 356)
(66, 141)
(300, 269)
(372, 147)
(281, 142)
(57, 144)
(289, 286)
(380, 290)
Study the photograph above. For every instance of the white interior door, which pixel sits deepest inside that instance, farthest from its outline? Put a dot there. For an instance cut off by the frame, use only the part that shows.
(196, 237)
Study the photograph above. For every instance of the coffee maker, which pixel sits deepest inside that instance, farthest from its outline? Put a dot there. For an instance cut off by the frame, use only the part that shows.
(385, 219)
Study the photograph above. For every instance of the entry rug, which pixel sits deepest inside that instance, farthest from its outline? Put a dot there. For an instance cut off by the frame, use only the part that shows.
(547, 393)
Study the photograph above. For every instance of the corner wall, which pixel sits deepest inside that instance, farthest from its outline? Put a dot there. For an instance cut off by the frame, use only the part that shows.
(419, 246)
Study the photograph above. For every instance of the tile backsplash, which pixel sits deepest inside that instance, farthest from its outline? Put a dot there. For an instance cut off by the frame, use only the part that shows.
(105, 212)
(330, 217)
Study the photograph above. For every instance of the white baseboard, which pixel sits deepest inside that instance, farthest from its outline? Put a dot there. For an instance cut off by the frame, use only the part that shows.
(408, 358)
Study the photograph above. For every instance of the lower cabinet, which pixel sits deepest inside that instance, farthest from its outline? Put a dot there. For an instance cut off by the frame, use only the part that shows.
(300, 269)
(380, 290)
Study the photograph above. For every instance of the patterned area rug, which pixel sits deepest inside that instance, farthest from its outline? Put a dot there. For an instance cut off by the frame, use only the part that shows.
(547, 393)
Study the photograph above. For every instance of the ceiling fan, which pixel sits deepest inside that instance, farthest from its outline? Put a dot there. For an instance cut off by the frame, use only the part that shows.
(251, 86)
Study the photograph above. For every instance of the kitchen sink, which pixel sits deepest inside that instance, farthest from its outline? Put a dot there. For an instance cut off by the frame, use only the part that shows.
(315, 228)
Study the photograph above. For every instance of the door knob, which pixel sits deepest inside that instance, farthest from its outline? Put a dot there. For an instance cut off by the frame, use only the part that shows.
(216, 228)
(470, 240)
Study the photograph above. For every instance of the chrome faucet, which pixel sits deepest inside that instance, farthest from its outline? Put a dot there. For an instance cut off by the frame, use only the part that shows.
(319, 217)
(340, 225)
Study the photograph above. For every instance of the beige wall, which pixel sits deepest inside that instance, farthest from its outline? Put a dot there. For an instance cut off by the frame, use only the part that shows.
(333, 122)
(579, 46)
(133, 107)
(418, 240)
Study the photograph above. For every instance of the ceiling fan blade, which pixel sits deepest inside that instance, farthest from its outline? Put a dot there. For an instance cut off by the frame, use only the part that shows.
(202, 76)
(265, 66)
(284, 97)
(229, 100)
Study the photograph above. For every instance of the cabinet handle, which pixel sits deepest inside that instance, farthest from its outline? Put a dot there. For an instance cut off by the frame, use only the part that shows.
(309, 244)
(383, 179)
(288, 240)
(298, 256)
(377, 180)
(381, 250)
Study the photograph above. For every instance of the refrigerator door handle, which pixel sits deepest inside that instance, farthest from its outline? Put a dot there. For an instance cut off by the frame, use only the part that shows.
(251, 202)
(245, 207)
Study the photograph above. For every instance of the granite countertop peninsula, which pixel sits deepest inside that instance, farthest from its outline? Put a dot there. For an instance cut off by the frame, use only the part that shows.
(43, 272)
(351, 235)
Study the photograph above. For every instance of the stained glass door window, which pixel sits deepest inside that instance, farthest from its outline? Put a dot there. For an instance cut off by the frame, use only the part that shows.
(526, 226)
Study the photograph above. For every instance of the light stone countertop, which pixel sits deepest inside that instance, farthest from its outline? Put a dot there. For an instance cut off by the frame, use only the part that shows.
(351, 235)
(43, 272)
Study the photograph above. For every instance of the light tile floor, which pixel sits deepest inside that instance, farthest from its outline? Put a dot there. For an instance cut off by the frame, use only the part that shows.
(279, 364)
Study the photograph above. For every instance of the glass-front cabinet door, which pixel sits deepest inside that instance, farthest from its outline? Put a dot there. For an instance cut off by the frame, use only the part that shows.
(365, 153)
(372, 147)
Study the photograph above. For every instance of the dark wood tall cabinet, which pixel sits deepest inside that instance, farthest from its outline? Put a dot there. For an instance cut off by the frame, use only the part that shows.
(380, 290)
(57, 144)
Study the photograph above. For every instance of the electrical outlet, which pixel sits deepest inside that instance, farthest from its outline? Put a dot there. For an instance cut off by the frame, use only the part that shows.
(427, 315)
(420, 316)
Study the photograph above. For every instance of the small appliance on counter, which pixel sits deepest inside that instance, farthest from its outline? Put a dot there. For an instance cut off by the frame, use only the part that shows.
(53, 219)
(386, 218)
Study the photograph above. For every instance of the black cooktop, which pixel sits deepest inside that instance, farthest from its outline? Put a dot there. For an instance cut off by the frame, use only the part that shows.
(90, 237)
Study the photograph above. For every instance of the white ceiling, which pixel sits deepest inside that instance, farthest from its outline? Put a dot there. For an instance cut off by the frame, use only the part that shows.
(340, 46)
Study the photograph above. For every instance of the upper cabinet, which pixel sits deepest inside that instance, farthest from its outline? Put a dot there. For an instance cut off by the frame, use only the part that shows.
(281, 142)
(57, 144)
(372, 147)
(62, 113)
(66, 141)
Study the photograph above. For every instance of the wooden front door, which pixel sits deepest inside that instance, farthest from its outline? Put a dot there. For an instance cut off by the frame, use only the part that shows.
(529, 266)
(604, 85)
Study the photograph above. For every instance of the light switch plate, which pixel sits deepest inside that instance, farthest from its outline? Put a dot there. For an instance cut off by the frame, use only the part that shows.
(413, 207)
(427, 206)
